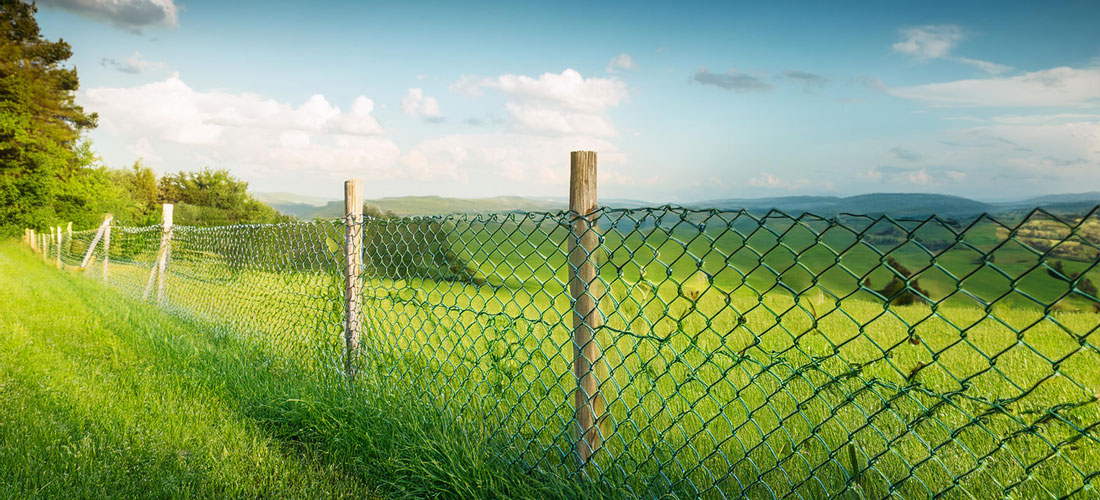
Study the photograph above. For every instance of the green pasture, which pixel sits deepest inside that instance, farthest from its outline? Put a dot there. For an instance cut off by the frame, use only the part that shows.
(728, 369)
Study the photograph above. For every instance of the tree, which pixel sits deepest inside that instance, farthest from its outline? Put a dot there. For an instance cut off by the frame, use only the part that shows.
(40, 124)
(140, 182)
(896, 291)
(213, 198)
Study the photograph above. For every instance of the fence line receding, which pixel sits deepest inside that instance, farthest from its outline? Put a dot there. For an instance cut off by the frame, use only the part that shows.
(672, 351)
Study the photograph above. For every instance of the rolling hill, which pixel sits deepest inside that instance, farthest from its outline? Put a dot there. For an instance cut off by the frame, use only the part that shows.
(896, 204)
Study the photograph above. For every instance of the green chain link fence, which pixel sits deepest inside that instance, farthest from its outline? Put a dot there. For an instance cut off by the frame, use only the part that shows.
(743, 355)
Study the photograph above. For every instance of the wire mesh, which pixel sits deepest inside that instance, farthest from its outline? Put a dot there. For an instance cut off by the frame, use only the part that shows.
(743, 355)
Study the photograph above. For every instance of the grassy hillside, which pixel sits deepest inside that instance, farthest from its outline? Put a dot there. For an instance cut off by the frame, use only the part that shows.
(737, 351)
(106, 397)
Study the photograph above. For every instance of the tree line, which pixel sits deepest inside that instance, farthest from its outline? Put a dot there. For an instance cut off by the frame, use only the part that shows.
(50, 175)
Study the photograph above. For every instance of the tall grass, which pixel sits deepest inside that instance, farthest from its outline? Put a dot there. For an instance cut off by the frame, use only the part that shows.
(712, 391)
(102, 396)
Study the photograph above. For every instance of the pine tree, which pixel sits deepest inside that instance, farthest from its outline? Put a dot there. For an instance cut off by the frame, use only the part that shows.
(40, 124)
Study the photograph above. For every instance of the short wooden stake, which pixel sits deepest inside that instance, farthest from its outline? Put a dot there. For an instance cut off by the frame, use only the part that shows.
(59, 247)
(165, 251)
(353, 265)
(584, 288)
(157, 271)
(106, 243)
(91, 248)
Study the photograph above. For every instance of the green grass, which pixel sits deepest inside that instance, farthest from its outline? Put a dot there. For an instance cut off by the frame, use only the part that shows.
(102, 396)
(760, 385)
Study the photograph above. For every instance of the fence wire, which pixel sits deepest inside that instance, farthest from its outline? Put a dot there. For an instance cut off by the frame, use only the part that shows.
(743, 355)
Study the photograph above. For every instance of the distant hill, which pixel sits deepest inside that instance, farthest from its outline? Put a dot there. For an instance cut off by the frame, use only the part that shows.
(424, 205)
(290, 198)
(896, 204)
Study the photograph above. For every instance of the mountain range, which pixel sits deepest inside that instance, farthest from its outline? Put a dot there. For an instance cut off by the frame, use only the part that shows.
(896, 204)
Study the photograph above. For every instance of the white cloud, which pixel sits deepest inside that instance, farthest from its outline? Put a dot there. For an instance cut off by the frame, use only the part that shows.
(142, 149)
(1061, 86)
(622, 61)
(989, 67)
(415, 103)
(134, 64)
(554, 104)
(920, 177)
(771, 181)
(937, 42)
(130, 15)
(929, 41)
(178, 113)
(519, 158)
(243, 131)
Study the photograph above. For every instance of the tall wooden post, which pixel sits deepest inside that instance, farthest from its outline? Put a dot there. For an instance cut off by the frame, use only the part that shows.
(58, 247)
(165, 250)
(106, 243)
(34, 241)
(46, 247)
(584, 287)
(353, 265)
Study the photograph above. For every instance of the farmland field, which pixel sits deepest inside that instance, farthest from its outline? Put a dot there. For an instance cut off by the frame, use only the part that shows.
(743, 355)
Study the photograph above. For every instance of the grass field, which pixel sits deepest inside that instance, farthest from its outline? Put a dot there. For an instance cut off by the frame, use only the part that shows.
(757, 380)
(102, 396)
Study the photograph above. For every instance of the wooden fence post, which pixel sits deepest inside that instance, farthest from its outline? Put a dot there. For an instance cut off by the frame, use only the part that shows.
(91, 248)
(33, 243)
(584, 287)
(165, 250)
(46, 246)
(106, 243)
(58, 247)
(353, 266)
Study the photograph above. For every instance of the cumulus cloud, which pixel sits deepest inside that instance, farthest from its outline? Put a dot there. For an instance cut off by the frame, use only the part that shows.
(244, 130)
(555, 104)
(732, 80)
(1063, 86)
(905, 154)
(809, 81)
(929, 41)
(771, 181)
(130, 15)
(915, 176)
(622, 61)
(937, 42)
(415, 103)
(317, 142)
(520, 158)
(133, 65)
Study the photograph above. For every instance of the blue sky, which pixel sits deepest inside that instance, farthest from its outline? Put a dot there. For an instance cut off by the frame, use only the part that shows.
(684, 102)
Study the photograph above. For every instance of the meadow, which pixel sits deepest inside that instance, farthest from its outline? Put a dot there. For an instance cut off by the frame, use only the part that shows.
(743, 355)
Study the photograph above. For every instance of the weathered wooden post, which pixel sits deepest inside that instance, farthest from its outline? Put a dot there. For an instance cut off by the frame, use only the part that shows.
(157, 271)
(353, 265)
(107, 243)
(33, 242)
(58, 247)
(584, 288)
(46, 246)
(165, 250)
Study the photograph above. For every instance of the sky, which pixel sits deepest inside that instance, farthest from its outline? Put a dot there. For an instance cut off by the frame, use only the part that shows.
(682, 101)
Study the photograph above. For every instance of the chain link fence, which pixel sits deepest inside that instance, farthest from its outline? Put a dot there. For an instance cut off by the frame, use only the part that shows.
(732, 354)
